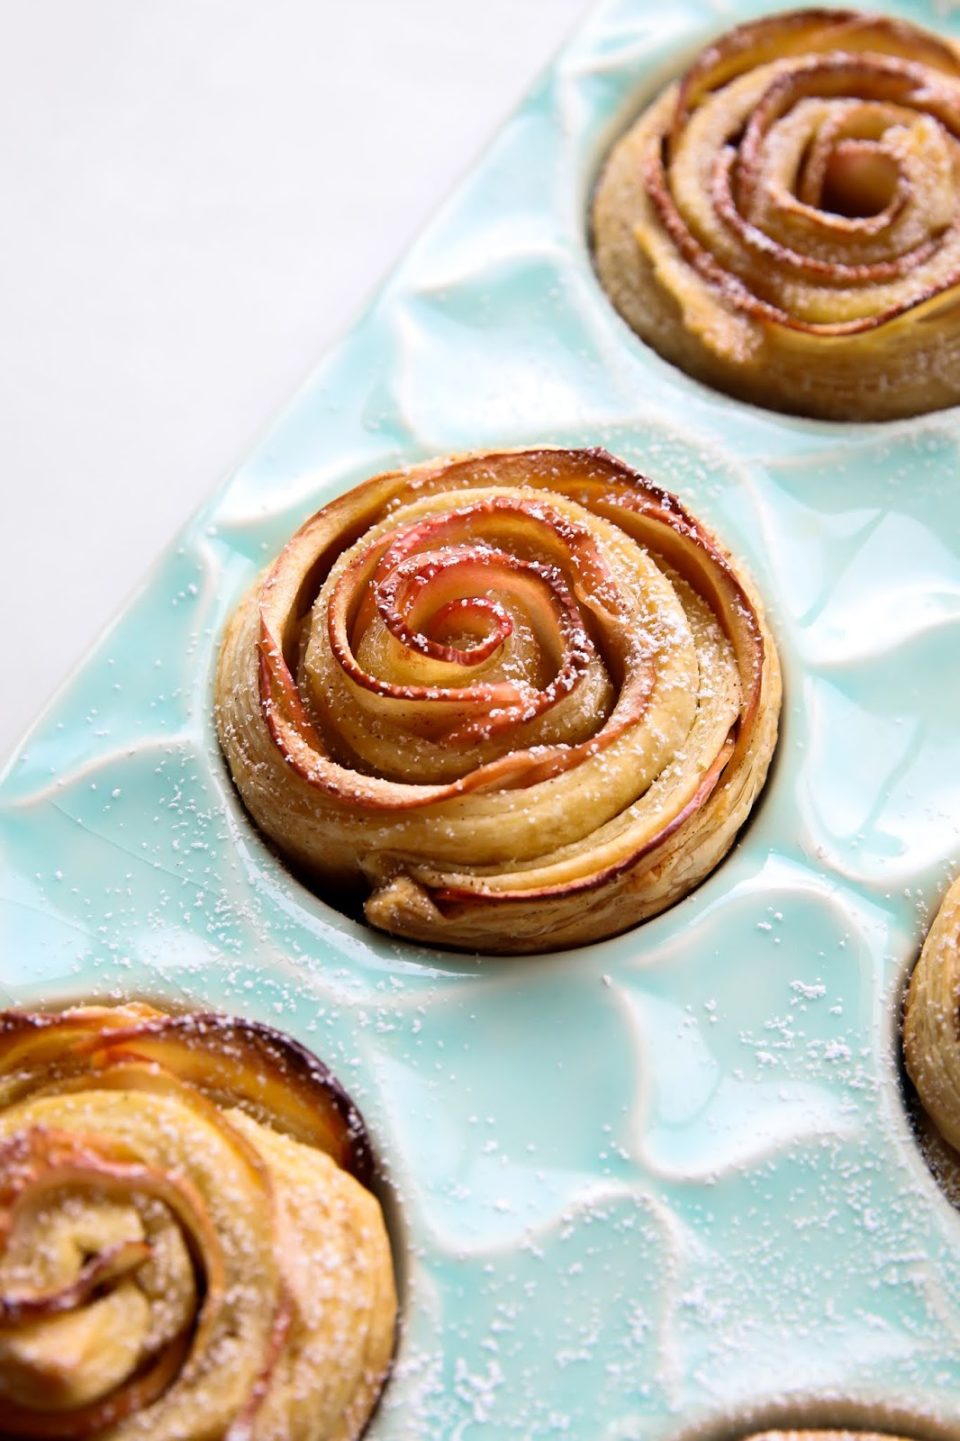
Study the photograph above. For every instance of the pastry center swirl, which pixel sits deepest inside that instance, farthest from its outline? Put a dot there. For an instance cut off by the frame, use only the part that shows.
(97, 1281)
(840, 173)
(461, 632)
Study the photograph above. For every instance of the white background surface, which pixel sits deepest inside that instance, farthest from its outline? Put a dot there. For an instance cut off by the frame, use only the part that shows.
(197, 197)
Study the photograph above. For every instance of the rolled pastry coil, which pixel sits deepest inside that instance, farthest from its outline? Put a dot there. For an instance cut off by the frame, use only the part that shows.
(513, 701)
(931, 1042)
(185, 1248)
(784, 221)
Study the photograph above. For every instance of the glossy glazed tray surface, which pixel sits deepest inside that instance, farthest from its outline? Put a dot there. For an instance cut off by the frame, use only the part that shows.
(654, 1183)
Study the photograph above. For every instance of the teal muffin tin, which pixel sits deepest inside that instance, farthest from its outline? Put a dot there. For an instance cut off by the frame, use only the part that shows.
(657, 1187)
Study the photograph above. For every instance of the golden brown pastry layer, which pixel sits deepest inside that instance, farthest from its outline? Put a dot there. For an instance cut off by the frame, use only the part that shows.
(931, 1042)
(519, 700)
(807, 1435)
(184, 1252)
(784, 221)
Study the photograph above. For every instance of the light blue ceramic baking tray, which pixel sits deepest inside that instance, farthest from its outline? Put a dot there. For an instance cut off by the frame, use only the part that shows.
(658, 1186)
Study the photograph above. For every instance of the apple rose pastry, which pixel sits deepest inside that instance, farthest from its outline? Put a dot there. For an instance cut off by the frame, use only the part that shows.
(784, 222)
(184, 1252)
(519, 700)
(931, 1043)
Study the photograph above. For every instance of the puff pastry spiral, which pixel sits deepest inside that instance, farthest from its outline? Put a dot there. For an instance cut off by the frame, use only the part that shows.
(184, 1254)
(784, 222)
(518, 700)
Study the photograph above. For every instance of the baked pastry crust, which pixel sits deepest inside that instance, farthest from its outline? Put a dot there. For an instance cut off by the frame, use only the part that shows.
(834, 1435)
(783, 222)
(184, 1252)
(931, 1042)
(520, 700)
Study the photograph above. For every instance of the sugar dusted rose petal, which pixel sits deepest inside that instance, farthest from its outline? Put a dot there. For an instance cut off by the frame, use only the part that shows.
(239, 1062)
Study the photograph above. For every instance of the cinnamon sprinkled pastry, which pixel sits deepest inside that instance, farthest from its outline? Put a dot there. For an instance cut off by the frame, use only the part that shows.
(784, 222)
(931, 1042)
(838, 1435)
(184, 1252)
(518, 701)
